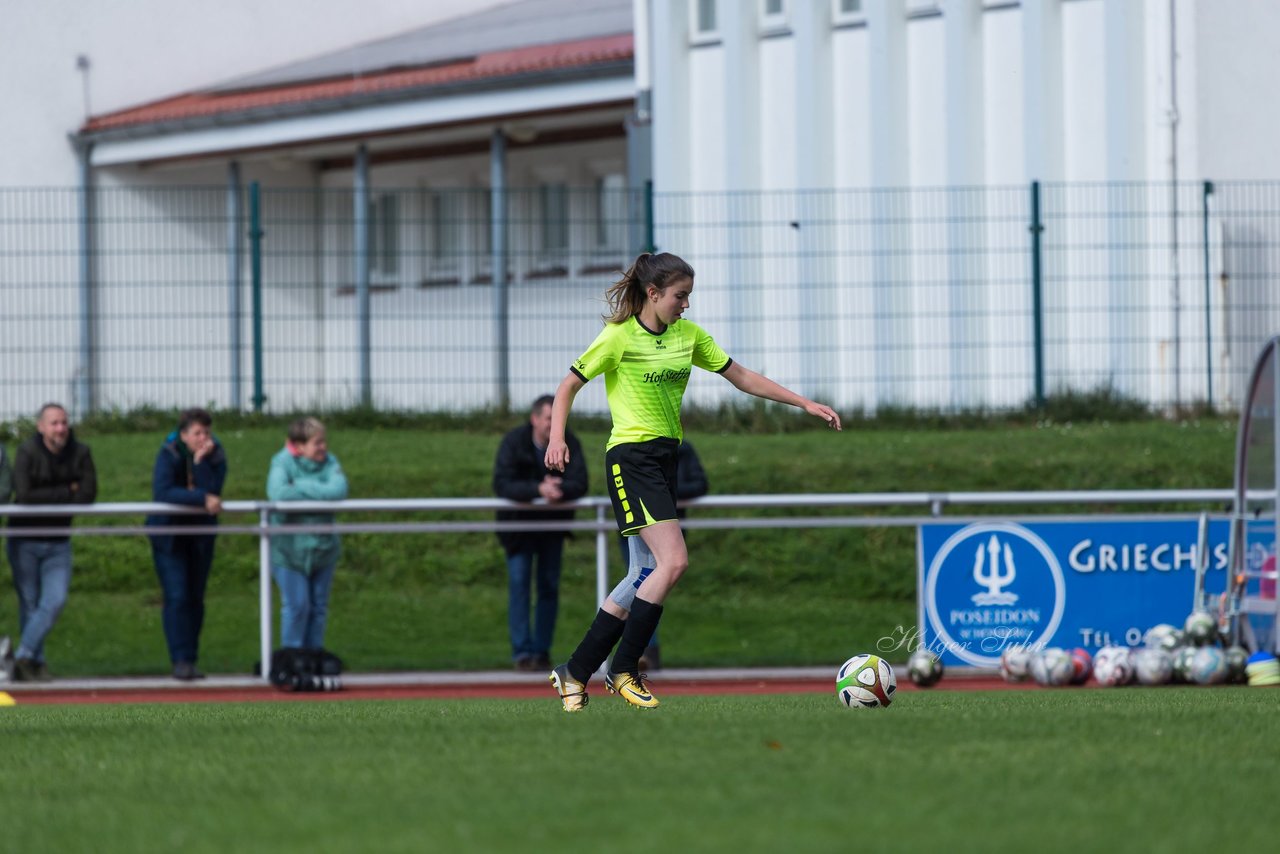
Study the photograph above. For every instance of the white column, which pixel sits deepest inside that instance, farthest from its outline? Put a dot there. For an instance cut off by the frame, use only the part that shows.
(669, 49)
(966, 268)
(891, 267)
(815, 174)
(1042, 104)
(738, 23)
(1126, 116)
(1043, 130)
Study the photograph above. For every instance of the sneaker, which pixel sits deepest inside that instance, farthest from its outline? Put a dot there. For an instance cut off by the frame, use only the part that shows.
(572, 692)
(525, 664)
(42, 672)
(25, 670)
(631, 687)
(186, 671)
(541, 661)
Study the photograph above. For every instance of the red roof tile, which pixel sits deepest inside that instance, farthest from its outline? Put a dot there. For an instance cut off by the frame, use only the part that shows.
(506, 63)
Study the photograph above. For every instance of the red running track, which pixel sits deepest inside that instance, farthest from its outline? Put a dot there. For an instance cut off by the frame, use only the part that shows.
(513, 691)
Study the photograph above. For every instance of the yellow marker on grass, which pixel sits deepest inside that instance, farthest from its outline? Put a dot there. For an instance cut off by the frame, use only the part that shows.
(6, 700)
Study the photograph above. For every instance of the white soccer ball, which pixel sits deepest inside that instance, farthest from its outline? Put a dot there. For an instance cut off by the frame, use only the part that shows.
(1182, 663)
(866, 682)
(1013, 663)
(1113, 665)
(1208, 666)
(1237, 660)
(1164, 636)
(1201, 628)
(924, 668)
(1153, 666)
(1052, 666)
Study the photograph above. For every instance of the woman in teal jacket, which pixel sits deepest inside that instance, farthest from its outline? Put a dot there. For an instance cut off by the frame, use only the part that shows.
(303, 564)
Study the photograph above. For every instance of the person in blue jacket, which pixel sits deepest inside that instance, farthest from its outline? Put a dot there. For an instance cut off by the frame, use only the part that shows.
(303, 564)
(190, 469)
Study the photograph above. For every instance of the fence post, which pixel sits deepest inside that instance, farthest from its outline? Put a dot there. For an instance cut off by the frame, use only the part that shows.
(499, 262)
(235, 252)
(1037, 304)
(1205, 196)
(264, 592)
(649, 244)
(86, 373)
(255, 275)
(360, 221)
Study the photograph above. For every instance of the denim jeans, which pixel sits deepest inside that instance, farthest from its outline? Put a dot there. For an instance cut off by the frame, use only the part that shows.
(183, 574)
(520, 572)
(41, 576)
(304, 605)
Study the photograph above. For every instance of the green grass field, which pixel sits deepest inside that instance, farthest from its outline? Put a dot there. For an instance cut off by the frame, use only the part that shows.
(763, 597)
(1165, 769)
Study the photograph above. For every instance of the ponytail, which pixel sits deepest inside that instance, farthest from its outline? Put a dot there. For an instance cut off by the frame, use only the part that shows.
(626, 296)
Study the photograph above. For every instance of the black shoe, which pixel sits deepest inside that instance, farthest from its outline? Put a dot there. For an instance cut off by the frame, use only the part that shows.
(526, 664)
(25, 670)
(42, 672)
(186, 671)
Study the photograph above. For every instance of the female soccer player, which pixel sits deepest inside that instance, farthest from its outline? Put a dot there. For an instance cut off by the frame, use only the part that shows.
(646, 352)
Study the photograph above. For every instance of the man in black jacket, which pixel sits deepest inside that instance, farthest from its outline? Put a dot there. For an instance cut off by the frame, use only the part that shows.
(50, 468)
(520, 475)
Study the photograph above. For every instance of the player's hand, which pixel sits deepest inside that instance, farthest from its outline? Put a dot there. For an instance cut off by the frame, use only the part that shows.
(826, 413)
(557, 455)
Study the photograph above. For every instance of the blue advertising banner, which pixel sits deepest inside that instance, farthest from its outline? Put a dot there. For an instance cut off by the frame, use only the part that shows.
(1088, 583)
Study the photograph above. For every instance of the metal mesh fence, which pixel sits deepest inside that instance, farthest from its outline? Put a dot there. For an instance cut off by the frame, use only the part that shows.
(948, 298)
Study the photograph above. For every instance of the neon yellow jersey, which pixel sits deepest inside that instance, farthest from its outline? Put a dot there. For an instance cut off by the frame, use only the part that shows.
(645, 374)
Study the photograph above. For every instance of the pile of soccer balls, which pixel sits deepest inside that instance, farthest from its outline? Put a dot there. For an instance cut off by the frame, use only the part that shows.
(1194, 654)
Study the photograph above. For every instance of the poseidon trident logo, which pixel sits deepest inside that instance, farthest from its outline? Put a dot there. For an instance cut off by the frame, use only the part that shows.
(988, 574)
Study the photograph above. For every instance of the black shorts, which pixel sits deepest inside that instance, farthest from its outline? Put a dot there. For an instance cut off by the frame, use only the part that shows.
(642, 483)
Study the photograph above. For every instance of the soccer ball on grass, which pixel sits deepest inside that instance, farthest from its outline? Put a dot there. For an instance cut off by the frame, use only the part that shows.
(924, 668)
(866, 682)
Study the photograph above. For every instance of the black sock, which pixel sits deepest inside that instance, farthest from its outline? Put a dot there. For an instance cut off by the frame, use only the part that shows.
(639, 629)
(596, 643)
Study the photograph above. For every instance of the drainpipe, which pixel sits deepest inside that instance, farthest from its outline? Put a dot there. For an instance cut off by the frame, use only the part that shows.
(85, 368)
(498, 224)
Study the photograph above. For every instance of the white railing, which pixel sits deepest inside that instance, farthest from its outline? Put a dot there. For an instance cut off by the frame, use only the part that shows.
(932, 503)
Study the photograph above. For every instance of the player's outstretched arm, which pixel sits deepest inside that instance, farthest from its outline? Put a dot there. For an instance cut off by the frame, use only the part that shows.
(749, 381)
(557, 450)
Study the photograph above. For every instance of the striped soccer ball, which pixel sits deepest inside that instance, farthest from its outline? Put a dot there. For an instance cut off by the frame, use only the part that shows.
(924, 668)
(866, 682)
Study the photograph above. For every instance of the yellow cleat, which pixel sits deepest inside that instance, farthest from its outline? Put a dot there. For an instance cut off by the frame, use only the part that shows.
(631, 687)
(572, 692)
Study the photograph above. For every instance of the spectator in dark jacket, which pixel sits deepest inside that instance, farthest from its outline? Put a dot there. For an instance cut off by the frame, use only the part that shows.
(190, 469)
(520, 474)
(50, 468)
